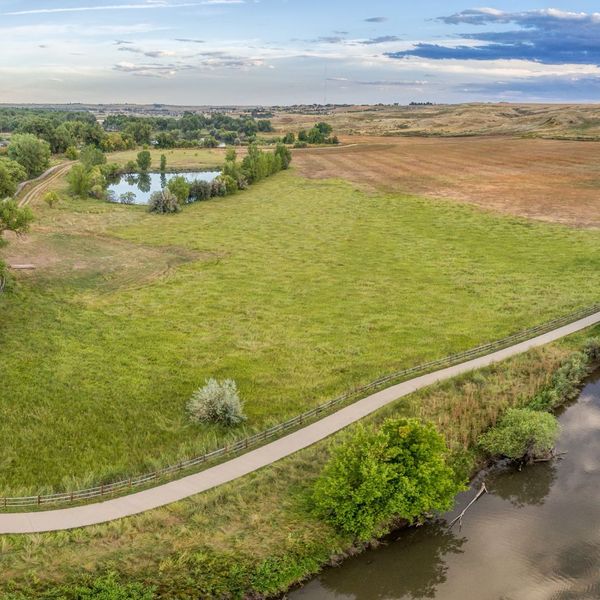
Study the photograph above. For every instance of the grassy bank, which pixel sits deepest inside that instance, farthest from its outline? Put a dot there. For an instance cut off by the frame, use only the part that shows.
(297, 289)
(257, 535)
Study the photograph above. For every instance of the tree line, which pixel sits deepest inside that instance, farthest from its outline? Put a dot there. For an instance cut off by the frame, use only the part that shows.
(236, 175)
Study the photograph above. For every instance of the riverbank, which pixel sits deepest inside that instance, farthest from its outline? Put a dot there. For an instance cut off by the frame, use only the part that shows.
(532, 525)
(257, 537)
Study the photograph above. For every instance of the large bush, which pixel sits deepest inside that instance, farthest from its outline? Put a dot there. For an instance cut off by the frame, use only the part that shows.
(217, 402)
(200, 190)
(377, 476)
(522, 434)
(164, 202)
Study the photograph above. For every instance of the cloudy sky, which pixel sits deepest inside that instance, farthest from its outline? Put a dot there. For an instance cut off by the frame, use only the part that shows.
(297, 51)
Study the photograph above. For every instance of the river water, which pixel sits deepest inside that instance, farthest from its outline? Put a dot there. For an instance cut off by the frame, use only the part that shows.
(536, 536)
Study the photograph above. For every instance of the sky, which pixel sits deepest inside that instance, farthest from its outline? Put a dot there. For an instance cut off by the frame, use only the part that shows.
(268, 52)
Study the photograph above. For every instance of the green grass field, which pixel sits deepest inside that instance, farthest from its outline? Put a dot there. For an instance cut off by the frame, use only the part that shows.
(297, 289)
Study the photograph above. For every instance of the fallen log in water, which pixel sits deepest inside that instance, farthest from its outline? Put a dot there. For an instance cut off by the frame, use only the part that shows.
(459, 518)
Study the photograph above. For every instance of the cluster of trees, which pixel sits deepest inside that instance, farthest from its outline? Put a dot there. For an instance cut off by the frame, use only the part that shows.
(61, 129)
(27, 157)
(191, 129)
(321, 133)
(236, 175)
(91, 176)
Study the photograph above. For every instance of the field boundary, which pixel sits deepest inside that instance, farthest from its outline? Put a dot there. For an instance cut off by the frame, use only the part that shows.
(315, 414)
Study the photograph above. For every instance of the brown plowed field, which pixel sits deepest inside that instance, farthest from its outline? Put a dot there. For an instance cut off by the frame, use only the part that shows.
(550, 180)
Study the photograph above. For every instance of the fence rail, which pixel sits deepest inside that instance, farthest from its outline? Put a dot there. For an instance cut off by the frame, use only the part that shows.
(255, 439)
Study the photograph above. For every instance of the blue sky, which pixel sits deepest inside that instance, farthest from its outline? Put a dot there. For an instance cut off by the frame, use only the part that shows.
(297, 51)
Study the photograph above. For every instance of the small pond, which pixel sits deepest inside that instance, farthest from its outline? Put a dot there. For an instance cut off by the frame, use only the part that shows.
(535, 536)
(138, 187)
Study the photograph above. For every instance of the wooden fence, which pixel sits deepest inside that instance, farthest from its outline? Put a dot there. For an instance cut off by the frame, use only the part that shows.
(124, 485)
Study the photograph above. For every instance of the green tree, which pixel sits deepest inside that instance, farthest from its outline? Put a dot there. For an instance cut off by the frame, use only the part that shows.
(522, 434)
(80, 181)
(180, 187)
(378, 476)
(144, 160)
(61, 138)
(90, 156)
(8, 186)
(163, 163)
(30, 152)
(289, 138)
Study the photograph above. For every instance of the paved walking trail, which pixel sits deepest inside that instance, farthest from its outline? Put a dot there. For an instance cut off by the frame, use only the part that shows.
(117, 508)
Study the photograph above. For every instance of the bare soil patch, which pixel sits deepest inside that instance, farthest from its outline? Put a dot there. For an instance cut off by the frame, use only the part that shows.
(549, 180)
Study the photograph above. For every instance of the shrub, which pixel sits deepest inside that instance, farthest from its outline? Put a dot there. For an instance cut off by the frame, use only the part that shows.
(592, 349)
(98, 192)
(217, 402)
(131, 167)
(71, 153)
(164, 202)
(231, 184)
(110, 171)
(51, 199)
(565, 383)
(522, 434)
(127, 198)
(284, 154)
(200, 190)
(163, 163)
(376, 476)
(180, 187)
(218, 187)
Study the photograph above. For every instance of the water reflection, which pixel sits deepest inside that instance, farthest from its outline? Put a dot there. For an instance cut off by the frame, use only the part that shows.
(519, 490)
(427, 546)
(137, 188)
(536, 536)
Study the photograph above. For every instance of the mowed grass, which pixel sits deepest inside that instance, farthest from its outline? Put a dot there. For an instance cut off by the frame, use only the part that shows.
(297, 289)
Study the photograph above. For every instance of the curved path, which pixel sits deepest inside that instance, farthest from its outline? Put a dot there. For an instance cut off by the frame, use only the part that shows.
(41, 183)
(117, 508)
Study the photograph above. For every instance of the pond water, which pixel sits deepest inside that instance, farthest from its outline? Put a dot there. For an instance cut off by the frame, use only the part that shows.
(137, 188)
(535, 536)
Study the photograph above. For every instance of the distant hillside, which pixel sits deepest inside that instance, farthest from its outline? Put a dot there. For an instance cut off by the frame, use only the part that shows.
(581, 122)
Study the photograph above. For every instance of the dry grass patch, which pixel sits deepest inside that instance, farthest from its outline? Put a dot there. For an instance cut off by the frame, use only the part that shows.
(549, 180)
